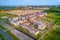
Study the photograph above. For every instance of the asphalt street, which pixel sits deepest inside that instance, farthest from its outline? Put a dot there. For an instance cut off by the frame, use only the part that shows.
(7, 37)
(17, 33)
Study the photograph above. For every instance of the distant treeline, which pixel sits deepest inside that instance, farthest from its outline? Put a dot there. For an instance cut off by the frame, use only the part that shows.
(19, 7)
(29, 7)
(54, 9)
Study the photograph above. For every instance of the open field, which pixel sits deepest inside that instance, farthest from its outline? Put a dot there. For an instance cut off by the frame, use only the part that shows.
(8, 15)
(1, 37)
(2, 27)
(12, 35)
(53, 34)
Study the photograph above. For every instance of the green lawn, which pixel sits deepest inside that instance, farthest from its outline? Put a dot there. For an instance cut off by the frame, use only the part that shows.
(11, 25)
(54, 15)
(12, 35)
(2, 27)
(8, 15)
(22, 29)
(1, 37)
(53, 34)
(4, 19)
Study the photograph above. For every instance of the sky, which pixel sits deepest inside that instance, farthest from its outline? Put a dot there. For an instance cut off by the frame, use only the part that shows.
(28, 2)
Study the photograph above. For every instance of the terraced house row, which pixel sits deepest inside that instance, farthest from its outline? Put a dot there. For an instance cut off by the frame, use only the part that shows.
(31, 22)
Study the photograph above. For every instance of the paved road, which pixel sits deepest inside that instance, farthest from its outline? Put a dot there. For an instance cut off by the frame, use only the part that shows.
(19, 34)
(26, 34)
(4, 24)
(5, 35)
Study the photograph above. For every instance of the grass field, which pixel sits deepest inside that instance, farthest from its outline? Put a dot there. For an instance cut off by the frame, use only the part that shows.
(12, 35)
(1, 37)
(7, 14)
(53, 34)
(2, 27)
(11, 25)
